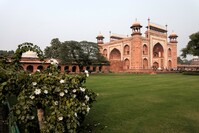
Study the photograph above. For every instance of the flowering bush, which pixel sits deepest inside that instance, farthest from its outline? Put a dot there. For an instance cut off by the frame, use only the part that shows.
(47, 101)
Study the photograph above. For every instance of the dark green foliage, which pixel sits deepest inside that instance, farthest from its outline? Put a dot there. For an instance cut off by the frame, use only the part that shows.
(63, 98)
(6, 53)
(82, 53)
(192, 47)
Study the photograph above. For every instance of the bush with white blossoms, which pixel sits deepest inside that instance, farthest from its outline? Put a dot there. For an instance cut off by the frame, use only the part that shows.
(47, 101)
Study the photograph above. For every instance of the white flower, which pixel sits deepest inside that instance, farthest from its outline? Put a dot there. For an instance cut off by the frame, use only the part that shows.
(74, 90)
(87, 98)
(86, 72)
(32, 97)
(38, 70)
(88, 109)
(37, 91)
(34, 83)
(75, 114)
(46, 91)
(32, 117)
(66, 91)
(56, 102)
(50, 74)
(62, 81)
(60, 118)
(74, 96)
(61, 94)
(83, 104)
(82, 89)
(53, 62)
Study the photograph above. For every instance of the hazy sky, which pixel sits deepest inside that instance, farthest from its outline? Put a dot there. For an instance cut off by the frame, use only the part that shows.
(39, 21)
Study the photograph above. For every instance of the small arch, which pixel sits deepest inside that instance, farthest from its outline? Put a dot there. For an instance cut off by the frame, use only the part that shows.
(29, 68)
(155, 65)
(169, 64)
(74, 69)
(115, 54)
(126, 64)
(105, 52)
(66, 68)
(94, 68)
(145, 49)
(126, 50)
(169, 52)
(41, 68)
(145, 63)
(100, 68)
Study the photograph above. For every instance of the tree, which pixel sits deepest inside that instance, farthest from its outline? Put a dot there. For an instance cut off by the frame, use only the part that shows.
(82, 53)
(179, 60)
(6, 53)
(54, 50)
(192, 47)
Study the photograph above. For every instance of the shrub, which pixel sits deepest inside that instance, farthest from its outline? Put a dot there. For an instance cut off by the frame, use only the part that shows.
(46, 101)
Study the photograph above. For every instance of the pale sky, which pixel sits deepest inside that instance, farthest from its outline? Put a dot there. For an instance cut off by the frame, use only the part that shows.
(39, 21)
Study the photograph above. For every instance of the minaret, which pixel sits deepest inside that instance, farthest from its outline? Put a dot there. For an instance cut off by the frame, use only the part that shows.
(136, 46)
(173, 37)
(100, 39)
(173, 43)
(136, 28)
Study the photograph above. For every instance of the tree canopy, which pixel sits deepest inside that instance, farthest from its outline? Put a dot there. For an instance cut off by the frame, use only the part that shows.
(83, 53)
(6, 53)
(192, 47)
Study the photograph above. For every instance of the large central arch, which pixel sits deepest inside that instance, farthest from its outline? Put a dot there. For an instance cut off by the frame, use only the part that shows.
(115, 54)
(158, 51)
(116, 64)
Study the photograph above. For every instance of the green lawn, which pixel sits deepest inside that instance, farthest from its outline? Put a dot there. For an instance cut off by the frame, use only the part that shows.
(139, 103)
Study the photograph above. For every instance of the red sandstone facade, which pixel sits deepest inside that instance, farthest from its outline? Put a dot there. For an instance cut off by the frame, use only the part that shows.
(139, 53)
(32, 64)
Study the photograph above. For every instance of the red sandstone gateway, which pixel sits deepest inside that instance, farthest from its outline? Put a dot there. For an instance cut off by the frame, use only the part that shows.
(139, 53)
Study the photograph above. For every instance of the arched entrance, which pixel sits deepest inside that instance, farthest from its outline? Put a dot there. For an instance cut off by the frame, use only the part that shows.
(116, 64)
(40, 68)
(145, 63)
(158, 51)
(74, 69)
(155, 65)
(29, 68)
(115, 54)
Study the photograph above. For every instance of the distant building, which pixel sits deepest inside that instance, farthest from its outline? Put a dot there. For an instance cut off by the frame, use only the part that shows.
(31, 63)
(138, 53)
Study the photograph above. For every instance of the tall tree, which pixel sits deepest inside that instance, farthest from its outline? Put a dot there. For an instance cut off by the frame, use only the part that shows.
(54, 50)
(192, 47)
(83, 53)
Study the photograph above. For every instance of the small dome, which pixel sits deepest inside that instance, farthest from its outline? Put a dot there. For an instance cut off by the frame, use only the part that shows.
(100, 35)
(136, 23)
(173, 34)
(30, 54)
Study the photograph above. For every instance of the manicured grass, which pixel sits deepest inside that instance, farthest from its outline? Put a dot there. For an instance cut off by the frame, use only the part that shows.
(130, 103)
